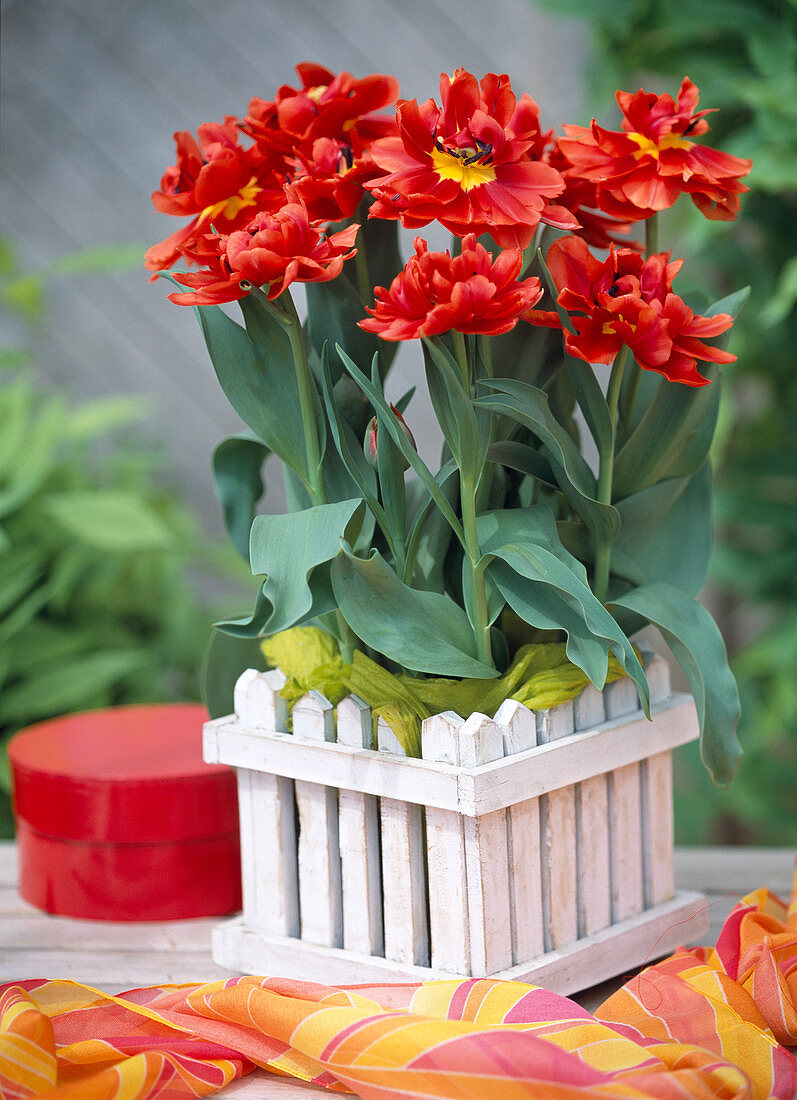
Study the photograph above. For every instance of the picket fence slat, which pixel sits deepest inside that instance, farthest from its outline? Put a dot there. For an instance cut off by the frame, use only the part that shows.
(625, 814)
(360, 844)
(403, 870)
(558, 829)
(320, 897)
(486, 858)
(445, 846)
(519, 728)
(592, 827)
(266, 808)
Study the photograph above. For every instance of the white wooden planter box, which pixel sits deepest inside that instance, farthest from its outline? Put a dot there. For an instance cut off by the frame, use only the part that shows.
(534, 847)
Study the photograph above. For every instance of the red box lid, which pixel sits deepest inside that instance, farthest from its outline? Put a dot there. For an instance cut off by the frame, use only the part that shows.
(129, 775)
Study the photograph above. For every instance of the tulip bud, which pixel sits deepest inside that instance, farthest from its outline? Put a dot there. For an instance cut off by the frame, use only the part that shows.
(370, 444)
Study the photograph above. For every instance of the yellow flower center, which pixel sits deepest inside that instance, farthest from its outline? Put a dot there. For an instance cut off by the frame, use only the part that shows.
(316, 92)
(609, 328)
(649, 148)
(231, 207)
(451, 167)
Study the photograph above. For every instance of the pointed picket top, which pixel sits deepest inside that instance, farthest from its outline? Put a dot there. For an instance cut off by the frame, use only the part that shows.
(621, 698)
(588, 709)
(314, 717)
(355, 725)
(658, 674)
(257, 701)
(480, 741)
(518, 726)
(386, 740)
(440, 737)
(554, 723)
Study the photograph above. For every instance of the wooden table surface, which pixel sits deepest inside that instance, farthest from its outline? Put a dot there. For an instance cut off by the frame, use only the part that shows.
(115, 957)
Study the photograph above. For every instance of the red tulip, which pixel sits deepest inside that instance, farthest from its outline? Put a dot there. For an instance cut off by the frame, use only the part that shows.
(435, 293)
(625, 300)
(273, 251)
(474, 164)
(655, 158)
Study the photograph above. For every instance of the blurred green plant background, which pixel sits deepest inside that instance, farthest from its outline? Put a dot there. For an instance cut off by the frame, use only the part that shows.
(742, 54)
(100, 563)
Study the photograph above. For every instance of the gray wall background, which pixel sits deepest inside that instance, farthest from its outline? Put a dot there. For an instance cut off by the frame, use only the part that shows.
(92, 91)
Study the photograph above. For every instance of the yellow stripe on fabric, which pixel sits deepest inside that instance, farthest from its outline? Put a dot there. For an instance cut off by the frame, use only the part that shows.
(58, 997)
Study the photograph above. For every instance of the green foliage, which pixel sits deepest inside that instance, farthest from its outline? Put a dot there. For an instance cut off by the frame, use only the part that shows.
(743, 57)
(96, 607)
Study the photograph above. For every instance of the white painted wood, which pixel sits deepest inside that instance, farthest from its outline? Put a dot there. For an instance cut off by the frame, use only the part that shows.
(588, 709)
(386, 739)
(266, 810)
(592, 855)
(440, 737)
(269, 877)
(558, 840)
(578, 965)
(555, 723)
(636, 942)
(519, 728)
(625, 841)
(656, 780)
(657, 672)
(486, 858)
(625, 813)
(620, 698)
(262, 1085)
(404, 889)
(320, 896)
(592, 827)
(360, 844)
(657, 829)
(475, 791)
(449, 932)
(559, 869)
(257, 701)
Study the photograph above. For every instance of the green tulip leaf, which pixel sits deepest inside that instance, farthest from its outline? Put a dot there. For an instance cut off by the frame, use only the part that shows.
(259, 381)
(591, 402)
(387, 419)
(697, 645)
(530, 407)
(666, 531)
(237, 470)
(423, 631)
(333, 310)
(673, 437)
(379, 238)
(548, 588)
(526, 460)
(454, 410)
(288, 548)
(226, 657)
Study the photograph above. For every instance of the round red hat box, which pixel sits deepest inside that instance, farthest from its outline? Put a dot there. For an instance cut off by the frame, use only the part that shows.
(119, 818)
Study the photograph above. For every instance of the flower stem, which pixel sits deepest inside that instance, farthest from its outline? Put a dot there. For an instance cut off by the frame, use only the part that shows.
(461, 356)
(603, 549)
(651, 235)
(474, 575)
(363, 277)
(289, 319)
